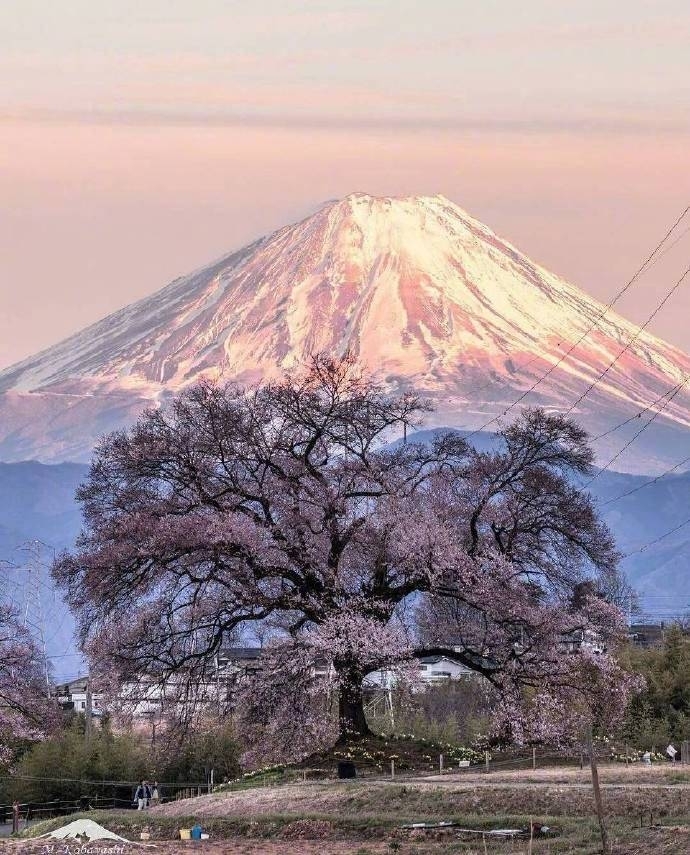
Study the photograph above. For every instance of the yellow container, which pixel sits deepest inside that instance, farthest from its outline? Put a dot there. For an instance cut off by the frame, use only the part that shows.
(185, 834)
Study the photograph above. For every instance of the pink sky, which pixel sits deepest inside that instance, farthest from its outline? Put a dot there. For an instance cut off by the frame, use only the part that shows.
(138, 141)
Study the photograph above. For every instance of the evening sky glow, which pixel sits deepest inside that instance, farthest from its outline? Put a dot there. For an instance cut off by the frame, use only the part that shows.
(141, 140)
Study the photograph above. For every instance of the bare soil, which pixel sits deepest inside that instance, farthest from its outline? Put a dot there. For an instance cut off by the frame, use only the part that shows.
(365, 817)
(671, 841)
(413, 801)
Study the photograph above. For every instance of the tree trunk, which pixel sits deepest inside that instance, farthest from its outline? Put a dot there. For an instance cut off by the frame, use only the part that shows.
(351, 718)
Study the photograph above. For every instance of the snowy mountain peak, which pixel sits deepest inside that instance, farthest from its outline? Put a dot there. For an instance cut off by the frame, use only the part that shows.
(420, 291)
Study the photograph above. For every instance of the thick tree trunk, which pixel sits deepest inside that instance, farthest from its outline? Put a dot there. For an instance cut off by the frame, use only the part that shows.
(351, 718)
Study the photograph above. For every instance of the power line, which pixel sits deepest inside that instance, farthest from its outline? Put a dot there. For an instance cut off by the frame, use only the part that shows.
(656, 540)
(669, 247)
(594, 323)
(634, 437)
(638, 415)
(630, 341)
(646, 483)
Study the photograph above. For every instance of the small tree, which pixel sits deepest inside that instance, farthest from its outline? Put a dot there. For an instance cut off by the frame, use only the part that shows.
(26, 713)
(285, 504)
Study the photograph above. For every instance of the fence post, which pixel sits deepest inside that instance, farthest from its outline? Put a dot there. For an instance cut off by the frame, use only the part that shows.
(440, 763)
(486, 760)
(392, 768)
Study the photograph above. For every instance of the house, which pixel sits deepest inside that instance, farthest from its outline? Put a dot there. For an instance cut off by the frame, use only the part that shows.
(579, 639)
(72, 696)
(440, 669)
(233, 661)
(145, 704)
(646, 634)
(431, 671)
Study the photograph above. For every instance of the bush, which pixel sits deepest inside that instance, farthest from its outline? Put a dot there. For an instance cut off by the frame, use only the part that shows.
(661, 712)
(66, 766)
(190, 758)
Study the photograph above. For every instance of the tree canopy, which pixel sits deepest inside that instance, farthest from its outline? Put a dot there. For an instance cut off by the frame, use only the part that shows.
(290, 505)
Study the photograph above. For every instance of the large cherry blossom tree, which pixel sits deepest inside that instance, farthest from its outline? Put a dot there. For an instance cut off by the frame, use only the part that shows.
(289, 505)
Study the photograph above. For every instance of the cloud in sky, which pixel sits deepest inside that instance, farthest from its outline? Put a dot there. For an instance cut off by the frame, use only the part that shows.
(355, 62)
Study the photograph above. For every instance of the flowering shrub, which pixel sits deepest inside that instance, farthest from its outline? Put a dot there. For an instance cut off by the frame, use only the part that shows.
(451, 753)
(635, 756)
(252, 775)
(407, 752)
(25, 713)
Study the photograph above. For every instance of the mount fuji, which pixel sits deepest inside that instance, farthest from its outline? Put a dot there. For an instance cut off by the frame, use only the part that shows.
(420, 292)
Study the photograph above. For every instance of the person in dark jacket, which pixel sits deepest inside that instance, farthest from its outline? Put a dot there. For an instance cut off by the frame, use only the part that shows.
(142, 795)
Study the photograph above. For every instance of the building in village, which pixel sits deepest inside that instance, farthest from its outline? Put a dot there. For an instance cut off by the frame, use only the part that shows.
(230, 665)
(646, 634)
(75, 696)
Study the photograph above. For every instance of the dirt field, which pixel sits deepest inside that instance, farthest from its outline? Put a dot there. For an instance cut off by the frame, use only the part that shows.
(613, 773)
(659, 842)
(365, 816)
(441, 799)
(224, 847)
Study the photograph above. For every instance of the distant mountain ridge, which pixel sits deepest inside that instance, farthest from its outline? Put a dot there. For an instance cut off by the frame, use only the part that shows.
(38, 517)
(424, 295)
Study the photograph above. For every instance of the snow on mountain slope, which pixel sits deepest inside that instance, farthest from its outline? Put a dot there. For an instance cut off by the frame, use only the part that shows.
(423, 294)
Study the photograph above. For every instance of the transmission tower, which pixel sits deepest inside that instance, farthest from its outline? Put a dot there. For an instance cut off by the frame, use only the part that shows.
(34, 596)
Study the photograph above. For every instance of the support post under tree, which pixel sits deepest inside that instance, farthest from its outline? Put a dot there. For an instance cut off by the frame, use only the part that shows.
(88, 717)
(598, 801)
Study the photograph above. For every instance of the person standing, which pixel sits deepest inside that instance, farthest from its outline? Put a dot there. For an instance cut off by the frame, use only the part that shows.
(155, 795)
(142, 796)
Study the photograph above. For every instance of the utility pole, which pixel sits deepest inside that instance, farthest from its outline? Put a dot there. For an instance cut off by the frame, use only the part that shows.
(88, 711)
(598, 802)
